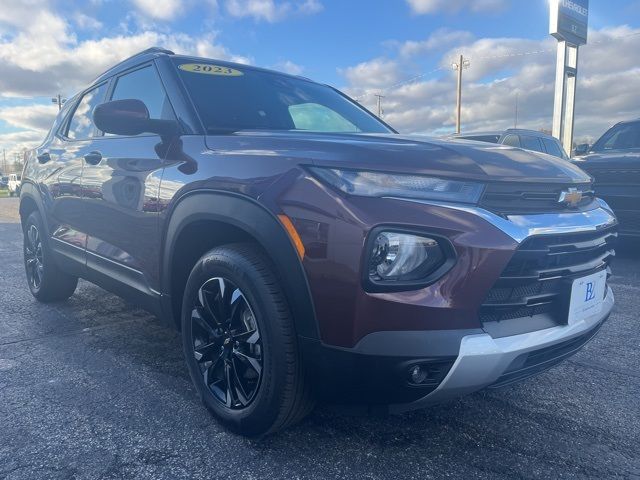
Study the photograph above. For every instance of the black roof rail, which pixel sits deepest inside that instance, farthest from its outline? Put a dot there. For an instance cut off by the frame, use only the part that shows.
(152, 50)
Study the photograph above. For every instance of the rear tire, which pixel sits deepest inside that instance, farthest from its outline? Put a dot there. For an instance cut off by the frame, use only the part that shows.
(240, 343)
(47, 282)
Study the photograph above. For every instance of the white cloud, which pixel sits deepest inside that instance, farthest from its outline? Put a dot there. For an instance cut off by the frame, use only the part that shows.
(422, 7)
(608, 81)
(272, 10)
(86, 22)
(46, 58)
(289, 67)
(160, 9)
(442, 38)
(376, 73)
(30, 117)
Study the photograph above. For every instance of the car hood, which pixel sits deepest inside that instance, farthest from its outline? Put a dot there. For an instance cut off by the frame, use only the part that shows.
(617, 156)
(412, 154)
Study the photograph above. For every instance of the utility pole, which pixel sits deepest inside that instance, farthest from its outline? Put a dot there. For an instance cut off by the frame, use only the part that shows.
(59, 100)
(380, 97)
(516, 122)
(4, 160)
(461, 65)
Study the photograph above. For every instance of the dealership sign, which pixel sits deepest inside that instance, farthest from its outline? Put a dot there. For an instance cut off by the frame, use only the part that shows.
(569, 20)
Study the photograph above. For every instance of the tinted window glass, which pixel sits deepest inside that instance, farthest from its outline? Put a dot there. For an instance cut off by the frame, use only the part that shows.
(530, 143)
(81, 124)
(481, 138)
(232, 99)
(311, 116)
(620, 137)
(553, 148)
(512, 141)
(144, 84)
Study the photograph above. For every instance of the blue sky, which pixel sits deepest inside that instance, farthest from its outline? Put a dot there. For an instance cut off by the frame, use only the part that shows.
(360, 46)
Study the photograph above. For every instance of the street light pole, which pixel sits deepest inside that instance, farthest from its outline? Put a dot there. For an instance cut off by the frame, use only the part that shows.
(59, 100)
(380, 97)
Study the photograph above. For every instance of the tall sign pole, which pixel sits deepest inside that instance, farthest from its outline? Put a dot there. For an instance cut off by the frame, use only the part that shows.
(568, 23)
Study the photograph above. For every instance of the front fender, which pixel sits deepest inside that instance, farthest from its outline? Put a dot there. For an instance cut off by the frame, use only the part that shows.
(254, 219)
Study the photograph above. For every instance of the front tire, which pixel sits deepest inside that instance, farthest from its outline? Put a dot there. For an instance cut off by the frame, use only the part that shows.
(240, 343)
(47, 282)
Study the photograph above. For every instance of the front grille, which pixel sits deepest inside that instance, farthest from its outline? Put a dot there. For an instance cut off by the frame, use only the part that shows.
(538, 361)
(537, 280)
(514, 198)
(629, 221)
(612, 176)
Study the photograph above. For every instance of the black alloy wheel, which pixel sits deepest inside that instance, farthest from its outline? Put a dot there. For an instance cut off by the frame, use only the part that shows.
(226, 343)
(33, 257)
(240, 343)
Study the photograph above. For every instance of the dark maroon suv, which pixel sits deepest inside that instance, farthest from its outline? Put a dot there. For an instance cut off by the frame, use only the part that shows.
(307, 251)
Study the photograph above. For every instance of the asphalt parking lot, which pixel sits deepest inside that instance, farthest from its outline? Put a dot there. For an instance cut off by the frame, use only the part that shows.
(95, 388)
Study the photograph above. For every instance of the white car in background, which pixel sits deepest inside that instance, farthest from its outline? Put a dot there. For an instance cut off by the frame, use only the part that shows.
(14, 183)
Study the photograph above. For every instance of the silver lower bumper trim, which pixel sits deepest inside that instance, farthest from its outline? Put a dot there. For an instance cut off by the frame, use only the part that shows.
(483, 359)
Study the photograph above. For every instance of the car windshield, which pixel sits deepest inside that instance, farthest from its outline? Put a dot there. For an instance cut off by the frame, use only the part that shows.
(234, 99)
(620, 137)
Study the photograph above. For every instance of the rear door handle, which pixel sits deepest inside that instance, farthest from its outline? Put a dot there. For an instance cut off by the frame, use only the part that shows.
(93, 158)
(44, 157)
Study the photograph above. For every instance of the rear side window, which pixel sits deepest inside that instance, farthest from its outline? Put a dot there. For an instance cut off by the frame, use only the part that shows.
(553, 148)
(81, 123)
(531, 143)
(512, 141)
(144, 84)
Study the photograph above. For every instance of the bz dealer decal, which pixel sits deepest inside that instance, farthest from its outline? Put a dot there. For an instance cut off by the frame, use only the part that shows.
(208, 69)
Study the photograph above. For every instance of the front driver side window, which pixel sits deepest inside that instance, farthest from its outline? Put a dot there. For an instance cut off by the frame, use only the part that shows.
(144, 84)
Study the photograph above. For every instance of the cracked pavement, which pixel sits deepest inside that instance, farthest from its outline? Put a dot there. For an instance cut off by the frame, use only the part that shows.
(94, 388)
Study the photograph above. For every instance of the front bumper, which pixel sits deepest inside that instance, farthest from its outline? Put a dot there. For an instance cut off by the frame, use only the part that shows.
(483, 361)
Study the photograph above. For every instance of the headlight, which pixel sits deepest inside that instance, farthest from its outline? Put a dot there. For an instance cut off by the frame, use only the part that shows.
(398, 260)
(379, 184)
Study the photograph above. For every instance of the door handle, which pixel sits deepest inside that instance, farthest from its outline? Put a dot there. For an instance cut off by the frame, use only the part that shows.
(93, 158)
(44, 157)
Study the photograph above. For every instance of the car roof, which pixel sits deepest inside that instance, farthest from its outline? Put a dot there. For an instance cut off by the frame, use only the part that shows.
(155, 52)
(536, 133)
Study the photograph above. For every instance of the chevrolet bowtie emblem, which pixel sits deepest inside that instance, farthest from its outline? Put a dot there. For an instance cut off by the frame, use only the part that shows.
(570, 197)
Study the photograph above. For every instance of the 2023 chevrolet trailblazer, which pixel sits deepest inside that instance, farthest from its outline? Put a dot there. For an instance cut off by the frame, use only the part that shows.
(305, 249)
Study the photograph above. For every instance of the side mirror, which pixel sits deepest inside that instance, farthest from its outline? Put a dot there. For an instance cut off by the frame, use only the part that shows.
(130, 117)
(581, 149)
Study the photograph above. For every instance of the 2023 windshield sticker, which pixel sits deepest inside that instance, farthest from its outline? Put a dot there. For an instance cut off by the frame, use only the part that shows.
(208, 69)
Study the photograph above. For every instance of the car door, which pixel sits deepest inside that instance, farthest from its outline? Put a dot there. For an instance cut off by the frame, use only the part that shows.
(61, 161)
(120, 183)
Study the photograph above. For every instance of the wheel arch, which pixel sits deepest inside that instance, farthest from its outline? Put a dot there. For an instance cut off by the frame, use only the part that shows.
(30, 201)
(253, 222)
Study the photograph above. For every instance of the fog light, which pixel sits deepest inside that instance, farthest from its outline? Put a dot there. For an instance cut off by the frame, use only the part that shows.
(417, 374)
